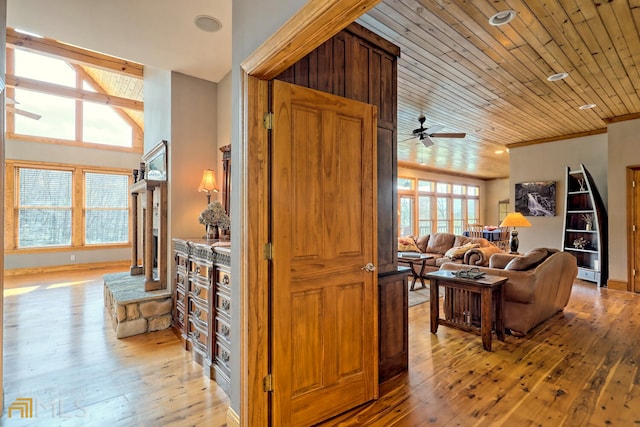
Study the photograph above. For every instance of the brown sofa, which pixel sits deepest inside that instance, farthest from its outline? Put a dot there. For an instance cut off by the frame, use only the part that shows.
(448, 247)
(539, 285)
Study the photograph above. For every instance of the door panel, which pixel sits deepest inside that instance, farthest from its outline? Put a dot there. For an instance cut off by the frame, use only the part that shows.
(634, 240)
(324, 305)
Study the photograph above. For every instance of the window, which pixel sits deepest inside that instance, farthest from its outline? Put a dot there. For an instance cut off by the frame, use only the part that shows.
(44, 208)
(442, 206)
(106, 208)
(49, 212)
(75, 103)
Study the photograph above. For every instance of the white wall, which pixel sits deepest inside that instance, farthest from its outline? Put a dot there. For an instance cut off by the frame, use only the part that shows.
(495, 190)
(624, 150)
(193, 148)
(549, 162)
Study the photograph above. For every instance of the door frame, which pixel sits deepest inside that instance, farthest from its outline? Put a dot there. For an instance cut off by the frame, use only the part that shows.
(311, 26)
(632, 235)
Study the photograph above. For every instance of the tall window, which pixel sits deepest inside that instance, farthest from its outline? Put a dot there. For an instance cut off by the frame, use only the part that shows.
(44, 208)
(49, 212)
(106, 208)
(441, 207)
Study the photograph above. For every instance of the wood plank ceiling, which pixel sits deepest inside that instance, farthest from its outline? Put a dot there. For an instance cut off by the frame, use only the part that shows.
(491, 81)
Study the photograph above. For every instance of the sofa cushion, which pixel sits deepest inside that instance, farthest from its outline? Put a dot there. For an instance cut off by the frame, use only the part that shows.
(407, 244)
(459, 251)
(440, 243)
(422, 242)
(529, 260)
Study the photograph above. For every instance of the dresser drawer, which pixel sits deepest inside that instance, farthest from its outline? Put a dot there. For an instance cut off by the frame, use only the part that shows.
(223, 330)
(222, 357)
(198, 337)
(181, 281)
(199, 291)
(589, 275)
(223, 278)
(199, 313)
(201, 271)
(223, 302)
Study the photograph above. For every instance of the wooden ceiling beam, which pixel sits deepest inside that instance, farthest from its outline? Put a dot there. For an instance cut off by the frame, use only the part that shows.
(73, 54)
(83, 95)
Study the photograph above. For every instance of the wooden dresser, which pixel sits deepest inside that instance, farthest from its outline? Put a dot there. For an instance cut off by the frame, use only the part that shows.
(202, 305)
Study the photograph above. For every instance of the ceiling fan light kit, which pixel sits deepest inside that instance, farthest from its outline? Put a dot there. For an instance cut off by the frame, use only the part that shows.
(425, 134)
(502, 17)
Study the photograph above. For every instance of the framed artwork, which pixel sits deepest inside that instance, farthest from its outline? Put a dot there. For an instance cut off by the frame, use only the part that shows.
(536, 198)
(156, 162)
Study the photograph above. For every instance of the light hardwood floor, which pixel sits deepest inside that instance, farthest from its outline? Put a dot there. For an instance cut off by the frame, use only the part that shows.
(580, 368)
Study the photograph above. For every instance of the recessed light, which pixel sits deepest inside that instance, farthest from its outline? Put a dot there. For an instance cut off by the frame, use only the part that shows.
(499, 152)
(558, 76)
(587, 106)
(207, 23)
(503, 17)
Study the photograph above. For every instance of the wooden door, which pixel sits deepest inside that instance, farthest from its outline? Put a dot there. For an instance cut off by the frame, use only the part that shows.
(324, 302)
(633, 225)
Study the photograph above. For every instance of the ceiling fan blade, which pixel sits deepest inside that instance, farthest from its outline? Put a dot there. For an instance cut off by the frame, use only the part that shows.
(434, 129)
(33, 116)
(447, 135)
(407, 139)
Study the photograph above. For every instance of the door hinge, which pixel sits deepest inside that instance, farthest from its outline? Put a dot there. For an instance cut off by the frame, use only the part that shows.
(268, 251)
(268, 383)
(267, 121)
(633, 227)
(633, 272)
(633, 183)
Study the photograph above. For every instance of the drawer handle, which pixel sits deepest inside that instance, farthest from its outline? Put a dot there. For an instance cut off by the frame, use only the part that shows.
(225, 356)
(198, 270)
(181, 317)
(198, 291)
(196, 335)
(225, 331)
(197, 312)
(225, 279)
(226, 305)
(181, 280)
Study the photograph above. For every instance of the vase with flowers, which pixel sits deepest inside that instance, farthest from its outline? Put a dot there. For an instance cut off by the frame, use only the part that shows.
(214, 218)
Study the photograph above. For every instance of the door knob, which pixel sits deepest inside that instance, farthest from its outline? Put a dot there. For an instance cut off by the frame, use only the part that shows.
(369, 268)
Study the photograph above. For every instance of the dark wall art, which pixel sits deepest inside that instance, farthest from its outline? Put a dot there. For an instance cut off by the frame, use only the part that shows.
(536, 198)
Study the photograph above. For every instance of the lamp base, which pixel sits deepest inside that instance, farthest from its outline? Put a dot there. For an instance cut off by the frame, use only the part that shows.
(514, 242)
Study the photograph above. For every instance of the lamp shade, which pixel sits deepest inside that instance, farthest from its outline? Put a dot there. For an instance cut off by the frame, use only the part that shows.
(515, 219)
(208, 183)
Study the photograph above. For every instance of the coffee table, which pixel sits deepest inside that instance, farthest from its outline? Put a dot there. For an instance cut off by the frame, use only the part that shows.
(414, 261)
(460, 306)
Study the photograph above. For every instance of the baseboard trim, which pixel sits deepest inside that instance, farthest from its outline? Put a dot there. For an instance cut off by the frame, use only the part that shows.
(69, 267)
(618, 285)
(233, 419)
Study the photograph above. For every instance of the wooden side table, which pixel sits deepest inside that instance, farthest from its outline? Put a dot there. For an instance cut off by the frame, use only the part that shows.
(415, 261)
(459, 303)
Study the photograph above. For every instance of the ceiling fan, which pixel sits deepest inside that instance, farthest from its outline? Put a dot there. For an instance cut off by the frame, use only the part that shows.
(10, 105)
(425, 134)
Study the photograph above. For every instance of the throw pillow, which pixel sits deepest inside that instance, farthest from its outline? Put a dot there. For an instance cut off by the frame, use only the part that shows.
(459, 251)
(529, 260)
(407, 244)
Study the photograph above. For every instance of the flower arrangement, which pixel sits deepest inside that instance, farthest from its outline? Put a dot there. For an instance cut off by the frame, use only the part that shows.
(580, 243)
(215, 215)
(588, 220)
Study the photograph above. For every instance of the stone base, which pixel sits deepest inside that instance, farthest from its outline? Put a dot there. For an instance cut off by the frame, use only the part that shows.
(134, 311)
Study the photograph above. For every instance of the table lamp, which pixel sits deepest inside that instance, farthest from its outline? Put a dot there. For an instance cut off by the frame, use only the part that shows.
(208, 183)
(515, 219)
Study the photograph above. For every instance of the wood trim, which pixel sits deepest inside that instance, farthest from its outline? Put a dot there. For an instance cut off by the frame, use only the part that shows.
(233, 419)
(96, 146)
(557, 138)
(315, 23)
(632, 116)
(69, 267)
(373, 38)
(618, 285)
(630, 221)
(74, 54)
(448, 172)
(79, 94)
